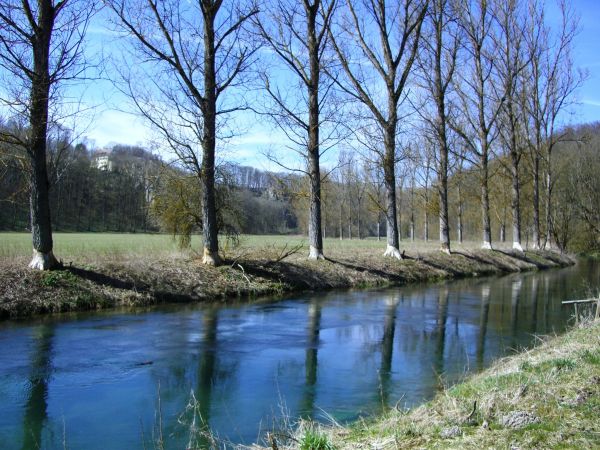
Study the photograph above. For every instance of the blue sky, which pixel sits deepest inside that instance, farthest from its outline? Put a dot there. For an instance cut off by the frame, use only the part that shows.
(587, 57)
(111, 124)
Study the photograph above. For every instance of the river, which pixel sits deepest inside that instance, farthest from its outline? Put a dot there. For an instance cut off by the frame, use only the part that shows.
(122, 379)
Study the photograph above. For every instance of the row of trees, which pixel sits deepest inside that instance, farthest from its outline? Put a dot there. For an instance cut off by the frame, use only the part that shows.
(381, 77)
(353, 196)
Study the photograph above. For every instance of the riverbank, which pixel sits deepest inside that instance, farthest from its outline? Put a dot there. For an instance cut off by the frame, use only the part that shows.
(247, 273)
(547, 397)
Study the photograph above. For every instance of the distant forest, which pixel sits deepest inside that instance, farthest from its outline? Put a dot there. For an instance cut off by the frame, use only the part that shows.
(129, 189)
(114, 190)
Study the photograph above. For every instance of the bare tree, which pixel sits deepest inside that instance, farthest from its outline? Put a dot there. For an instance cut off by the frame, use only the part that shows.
(511, 61)
(381, 39)
(297, 33)
(41, 51)
(549, 82)
(437, 63)
(476, 124)
(185, 63)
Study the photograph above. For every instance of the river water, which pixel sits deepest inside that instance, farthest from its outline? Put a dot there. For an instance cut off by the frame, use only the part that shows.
(122, 379)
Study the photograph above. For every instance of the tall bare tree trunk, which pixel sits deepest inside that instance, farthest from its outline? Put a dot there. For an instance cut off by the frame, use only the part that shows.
(412, 212)
(443, 55)
(399, 198)
(41, 226)
(485, 201)
(515, 202)
(444, 218)
(548, 199)
(315, 237)
(389, 178)
(536, 202)
(209, 209)
(460, 215)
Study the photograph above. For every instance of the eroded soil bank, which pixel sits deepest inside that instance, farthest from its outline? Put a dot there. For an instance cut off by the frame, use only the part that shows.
(108, 284)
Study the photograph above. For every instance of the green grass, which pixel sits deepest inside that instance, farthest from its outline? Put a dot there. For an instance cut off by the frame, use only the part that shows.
(314, 440)
(116, 246)
(68, 246)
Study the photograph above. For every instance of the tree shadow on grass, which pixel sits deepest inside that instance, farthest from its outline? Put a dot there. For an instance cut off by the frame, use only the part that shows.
(522, 256)
(298, 276)
(282, 272)
(370, 270)
(454, 273)
(106, 280)
(493, 262)
(556, 258)
(102, 279)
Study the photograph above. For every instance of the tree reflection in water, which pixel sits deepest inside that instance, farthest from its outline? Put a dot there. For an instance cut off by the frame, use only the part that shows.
(36, 407)
(311, 359)
(387, 349)
(483, 324)
(440, 325)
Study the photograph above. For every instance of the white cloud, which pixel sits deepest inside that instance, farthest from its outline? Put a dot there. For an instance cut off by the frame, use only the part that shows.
(591, 102)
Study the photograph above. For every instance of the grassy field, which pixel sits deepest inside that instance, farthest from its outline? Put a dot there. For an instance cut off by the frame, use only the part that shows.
(112, 246)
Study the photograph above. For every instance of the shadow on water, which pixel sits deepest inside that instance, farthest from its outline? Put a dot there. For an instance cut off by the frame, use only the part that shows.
(36, 406)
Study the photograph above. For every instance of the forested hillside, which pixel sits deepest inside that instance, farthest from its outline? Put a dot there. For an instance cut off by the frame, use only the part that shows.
(121, 190)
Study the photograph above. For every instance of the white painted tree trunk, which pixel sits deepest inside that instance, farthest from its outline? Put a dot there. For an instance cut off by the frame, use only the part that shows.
(315, 253)
(392, 252)
(211, 258)
(43, 261)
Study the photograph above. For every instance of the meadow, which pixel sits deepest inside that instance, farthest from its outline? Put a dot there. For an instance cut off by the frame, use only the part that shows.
(90, 247)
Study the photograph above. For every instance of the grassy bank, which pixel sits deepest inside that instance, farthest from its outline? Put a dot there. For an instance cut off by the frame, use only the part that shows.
(548, 397)
(108, 270)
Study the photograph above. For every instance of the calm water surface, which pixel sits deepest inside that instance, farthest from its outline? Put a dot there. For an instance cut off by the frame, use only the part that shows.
(102, 381)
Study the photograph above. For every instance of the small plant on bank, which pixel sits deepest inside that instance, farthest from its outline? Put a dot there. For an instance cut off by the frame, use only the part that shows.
(313, 440)
(56, 277)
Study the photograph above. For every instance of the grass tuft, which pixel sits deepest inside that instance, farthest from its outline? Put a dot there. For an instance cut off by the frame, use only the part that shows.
(314, 440)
